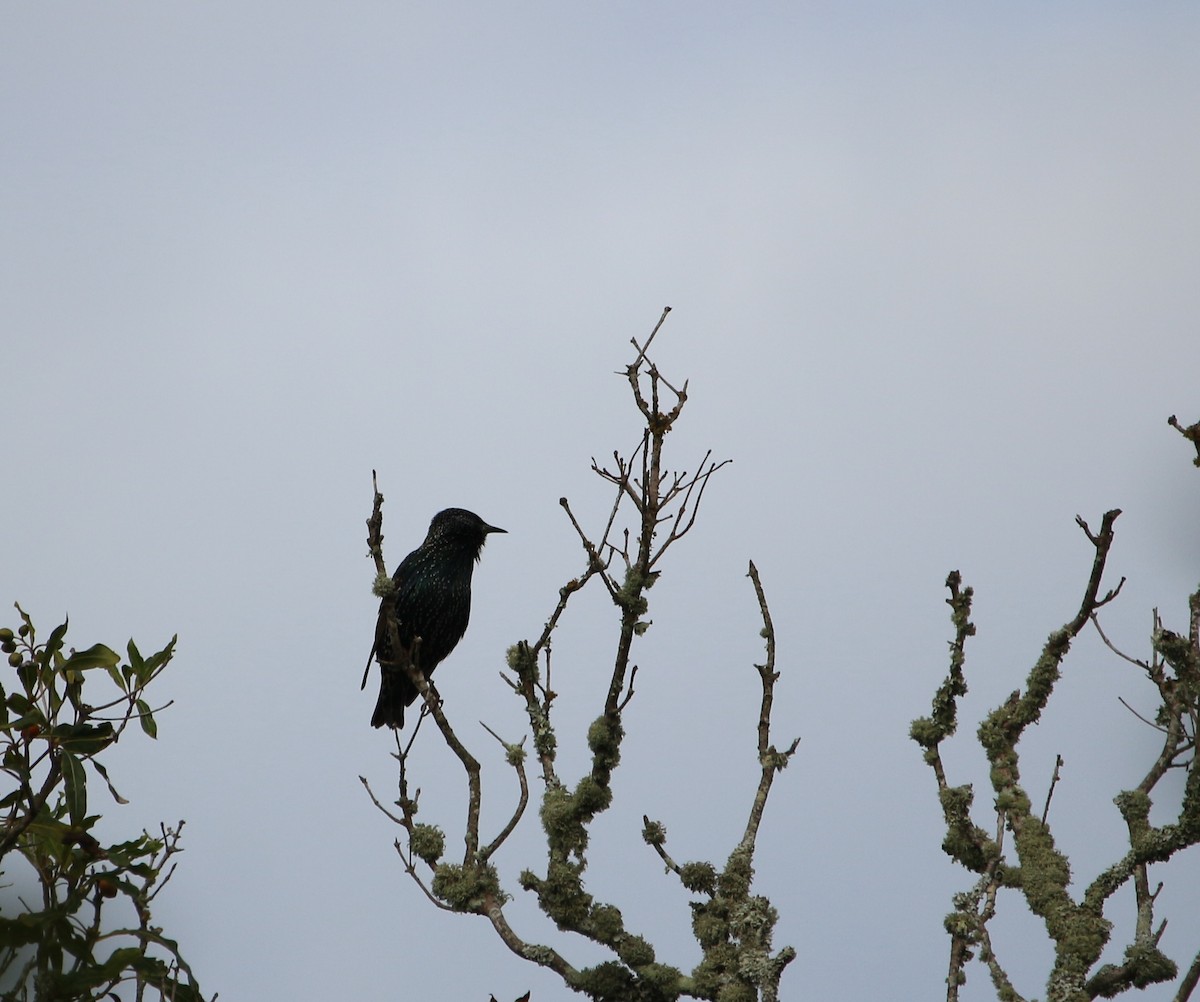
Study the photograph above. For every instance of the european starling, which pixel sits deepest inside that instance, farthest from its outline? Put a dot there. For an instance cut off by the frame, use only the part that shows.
(432, 601)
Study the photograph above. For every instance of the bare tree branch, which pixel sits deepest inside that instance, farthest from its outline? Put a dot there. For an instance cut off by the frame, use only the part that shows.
(653, 508)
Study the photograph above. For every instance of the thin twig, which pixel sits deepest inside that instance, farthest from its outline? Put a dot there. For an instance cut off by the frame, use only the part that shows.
(595, 564)
(662, 852)
(375, 801)
(515, 755)
(771, 760)
(1058, 764)
(653, 334)
(1189, 982)
(1149, 723)
(1117, 651)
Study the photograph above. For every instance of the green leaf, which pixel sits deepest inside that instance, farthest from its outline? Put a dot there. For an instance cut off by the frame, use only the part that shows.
(153, 969)
(146, 718)
(126, 854)
(53, 697)
(121, 959)
(74, 787)
(84, 739)
(156, 661)
(79, 982)
(32, 716)
(135, 656)
(53, 645)
(14, 763)
(117, 677)
(111, 789)
(96, 656)
(28, 622)
(25, 929)
(49, 832)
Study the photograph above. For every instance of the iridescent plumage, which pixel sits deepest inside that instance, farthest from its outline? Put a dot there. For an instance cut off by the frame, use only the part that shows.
(432, 601)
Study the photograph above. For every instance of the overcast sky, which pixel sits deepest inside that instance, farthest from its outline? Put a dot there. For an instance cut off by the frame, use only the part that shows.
(933, 271)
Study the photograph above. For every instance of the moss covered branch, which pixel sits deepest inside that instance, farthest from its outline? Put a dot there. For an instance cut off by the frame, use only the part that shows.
(1041, 873)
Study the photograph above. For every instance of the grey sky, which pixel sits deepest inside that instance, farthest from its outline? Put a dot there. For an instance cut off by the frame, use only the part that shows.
(933, 272)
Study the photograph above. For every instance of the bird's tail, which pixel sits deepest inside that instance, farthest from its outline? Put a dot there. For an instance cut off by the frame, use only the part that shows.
(396, 691)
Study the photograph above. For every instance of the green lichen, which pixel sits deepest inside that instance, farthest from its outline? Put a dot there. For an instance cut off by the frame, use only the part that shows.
(654, 833)
(699, 877)
(709, 924)
(737, 991)
(517, 656)
(1134, 806)
(562, 896)
(661, 981)
(1148, 965)
(635, 952)
(604, 739)
(738, 874)
(607, 982)
(541, 955)
(606, 924)
(925, 732)
(630, 597)
(465, 888)
(590, 798)
(753, 920)
(712, 972)
(561, 821)
(544, 739)
(428, 842)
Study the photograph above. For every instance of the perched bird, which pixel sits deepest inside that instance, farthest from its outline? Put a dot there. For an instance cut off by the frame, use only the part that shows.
(432, 601)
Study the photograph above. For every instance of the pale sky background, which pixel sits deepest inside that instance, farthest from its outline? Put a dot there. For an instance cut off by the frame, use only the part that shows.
(934, 278)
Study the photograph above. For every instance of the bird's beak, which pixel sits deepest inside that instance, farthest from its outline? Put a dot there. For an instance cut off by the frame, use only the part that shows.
(492, 528)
